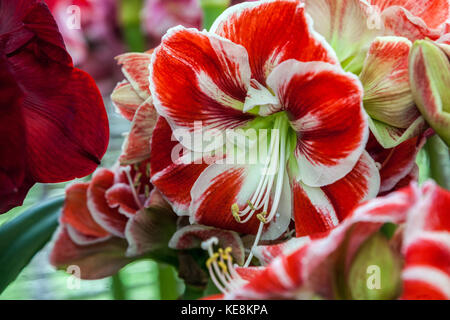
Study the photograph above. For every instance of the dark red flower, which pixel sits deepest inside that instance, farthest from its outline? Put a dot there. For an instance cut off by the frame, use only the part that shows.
(53, 121)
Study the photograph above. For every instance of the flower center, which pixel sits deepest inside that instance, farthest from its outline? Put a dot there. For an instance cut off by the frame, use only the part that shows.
(270, 187)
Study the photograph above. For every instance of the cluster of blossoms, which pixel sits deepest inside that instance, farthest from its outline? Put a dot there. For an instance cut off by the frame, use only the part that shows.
(348, 90)
(348, 105)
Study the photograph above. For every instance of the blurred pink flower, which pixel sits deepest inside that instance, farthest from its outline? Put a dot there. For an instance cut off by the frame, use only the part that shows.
(160, 15)
(91, 34)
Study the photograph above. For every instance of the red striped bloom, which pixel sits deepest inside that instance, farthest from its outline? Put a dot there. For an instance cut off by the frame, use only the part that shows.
(261, 66)
(111, 220)
(53, 122)
(413, 263)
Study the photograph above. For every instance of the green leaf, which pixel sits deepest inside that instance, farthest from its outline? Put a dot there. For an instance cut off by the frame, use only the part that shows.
(22, 237)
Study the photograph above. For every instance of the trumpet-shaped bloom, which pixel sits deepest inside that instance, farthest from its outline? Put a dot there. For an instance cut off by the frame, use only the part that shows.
(53, 122)
(261, 66)
(335, 265)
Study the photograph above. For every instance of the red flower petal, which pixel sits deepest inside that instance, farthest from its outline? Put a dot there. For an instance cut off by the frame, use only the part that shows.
(76, 213)
(120, 196)
(433, 13)
(399, 21)
(173, 179)
(324, 105)
(95, 261)
(126, 100)
(137, 143)
(395, 163)
(200, 77)
(110, 219)
(56, 117)
(135, 68)
(272, 32)
(362, 183)
(216, 190)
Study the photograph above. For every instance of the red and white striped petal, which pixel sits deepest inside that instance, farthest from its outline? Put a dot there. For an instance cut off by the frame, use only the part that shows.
(190, 237)
(347, 27)
(313, 211)
(96, 261)
(108, 218)
(433, 13)
(385, 78)
(324, 105)
(126, 100)
(173, 178)
(135, 67)
(401, 22)
(217, 189)
(76, 214)
(200, 77)
(137, 144)
(221, 186)
(120, 196)
(361, 184)
(282, 278)
(318, 210)
(310, 270)
(396, 163)
(273, 32)
(267, 254)
(426, 247)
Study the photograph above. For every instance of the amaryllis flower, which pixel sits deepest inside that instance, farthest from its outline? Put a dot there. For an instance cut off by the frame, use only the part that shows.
(110, 221)
(351, 25)
(261, 66)
(133, 101)
(360, 40)
(53, 121)
(410, 264)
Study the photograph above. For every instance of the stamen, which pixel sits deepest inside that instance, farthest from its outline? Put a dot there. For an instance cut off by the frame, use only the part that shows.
(220, 267)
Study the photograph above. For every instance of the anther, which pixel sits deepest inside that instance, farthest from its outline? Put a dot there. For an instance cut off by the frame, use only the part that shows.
(262, 217)
(235, 212)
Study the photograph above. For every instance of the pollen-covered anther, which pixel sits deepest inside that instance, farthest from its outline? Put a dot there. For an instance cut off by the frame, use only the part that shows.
(220, 267)
(262, 217)
(235, 212)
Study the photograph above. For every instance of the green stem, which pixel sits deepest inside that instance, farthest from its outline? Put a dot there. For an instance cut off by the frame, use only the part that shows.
(167, 282)
(118, 289)
(211, 10)
(439, 156)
